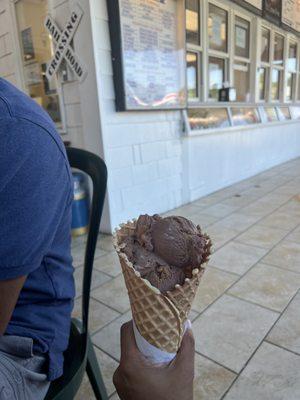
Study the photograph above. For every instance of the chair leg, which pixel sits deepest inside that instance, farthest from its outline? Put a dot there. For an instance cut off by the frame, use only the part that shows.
(94, 374)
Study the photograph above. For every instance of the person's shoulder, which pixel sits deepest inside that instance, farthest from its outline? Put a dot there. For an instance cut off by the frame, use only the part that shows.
(26, 122)
(15, 103)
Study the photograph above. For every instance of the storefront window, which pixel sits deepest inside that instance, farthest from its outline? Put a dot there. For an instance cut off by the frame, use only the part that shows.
(192, 22)
(278, 49)
(289, 86)
(244, 116)
(275, 84)
(208, 118)
(37, 51)
(216, 69)
(192, 75)
(283, 113)
(262, 77)
(292, 57)
(265, 45)
(242, 81)
(271, 114)
(242, 34)
(217, 28)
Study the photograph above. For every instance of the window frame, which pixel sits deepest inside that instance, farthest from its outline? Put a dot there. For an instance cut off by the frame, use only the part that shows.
(215, 53)
(237, 59)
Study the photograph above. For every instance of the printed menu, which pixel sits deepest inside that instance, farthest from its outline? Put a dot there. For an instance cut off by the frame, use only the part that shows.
(153, 53)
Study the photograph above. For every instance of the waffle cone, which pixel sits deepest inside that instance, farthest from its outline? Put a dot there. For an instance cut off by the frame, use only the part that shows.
(160, 318)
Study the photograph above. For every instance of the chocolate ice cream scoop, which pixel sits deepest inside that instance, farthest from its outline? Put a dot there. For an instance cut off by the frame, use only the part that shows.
(166, 250)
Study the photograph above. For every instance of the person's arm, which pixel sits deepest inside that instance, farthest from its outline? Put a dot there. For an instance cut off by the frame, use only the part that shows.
(136, 379)
(9, 294)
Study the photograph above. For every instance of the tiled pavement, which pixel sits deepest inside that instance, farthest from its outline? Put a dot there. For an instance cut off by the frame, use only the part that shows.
(246, 317)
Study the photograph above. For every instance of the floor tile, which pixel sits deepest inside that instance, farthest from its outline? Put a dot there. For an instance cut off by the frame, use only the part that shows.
(193, 315)
(286, 332)
(85, 391)
(285, 255)
(258, 209)
(202, 219)
(272, 374)
(100, 315)
(78, 253)
(78, 240)
(280, 219)
(230, 330)
(109, 263)
(98, 279)
(294, 236)
(107, 367)
(114, 397)
(236, 257)
(237, 222)
(220, 235)
(108, 339)
(268, 286)
(262, 236)
(213, 284)
(220, 210)
(114, 294)
(211, 380)
(105, 242)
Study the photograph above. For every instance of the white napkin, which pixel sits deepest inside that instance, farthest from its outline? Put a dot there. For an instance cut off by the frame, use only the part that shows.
(152, 353)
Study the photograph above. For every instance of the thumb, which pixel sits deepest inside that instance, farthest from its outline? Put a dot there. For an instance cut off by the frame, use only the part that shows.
(128, 344)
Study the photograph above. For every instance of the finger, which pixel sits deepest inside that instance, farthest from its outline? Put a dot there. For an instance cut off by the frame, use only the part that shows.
(128, 344)
(186, 354)
(116, 378)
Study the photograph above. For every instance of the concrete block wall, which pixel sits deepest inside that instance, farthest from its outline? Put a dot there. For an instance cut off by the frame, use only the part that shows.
(143, 150)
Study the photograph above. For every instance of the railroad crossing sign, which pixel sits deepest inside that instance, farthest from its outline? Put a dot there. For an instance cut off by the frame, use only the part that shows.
(63, 50)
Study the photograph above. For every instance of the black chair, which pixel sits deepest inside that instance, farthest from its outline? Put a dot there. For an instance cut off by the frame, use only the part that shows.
(80, 355)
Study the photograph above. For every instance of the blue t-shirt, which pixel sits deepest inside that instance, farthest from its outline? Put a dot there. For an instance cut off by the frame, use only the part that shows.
(35, 224)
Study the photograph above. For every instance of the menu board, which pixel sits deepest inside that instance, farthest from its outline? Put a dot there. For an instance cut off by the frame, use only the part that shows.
(149, 58)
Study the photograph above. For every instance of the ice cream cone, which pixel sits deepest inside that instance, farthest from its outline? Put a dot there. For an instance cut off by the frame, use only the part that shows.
(160, 318)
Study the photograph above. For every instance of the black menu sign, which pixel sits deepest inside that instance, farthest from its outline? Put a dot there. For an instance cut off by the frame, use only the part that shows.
(147, 38)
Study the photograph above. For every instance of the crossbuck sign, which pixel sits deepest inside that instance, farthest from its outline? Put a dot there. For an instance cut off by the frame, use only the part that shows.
(63, 50)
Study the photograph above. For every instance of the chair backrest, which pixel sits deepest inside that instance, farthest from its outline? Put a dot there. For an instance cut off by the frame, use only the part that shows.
(94, 167)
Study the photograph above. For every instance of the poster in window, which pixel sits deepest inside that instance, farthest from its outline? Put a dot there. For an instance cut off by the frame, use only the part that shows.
(27, 43)
(272, 10)
(241, 37)
(32, 74)
(148, 53)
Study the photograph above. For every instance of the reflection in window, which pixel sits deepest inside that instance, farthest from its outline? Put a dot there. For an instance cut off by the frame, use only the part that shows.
(262, 76)
(265, 45)
(217, 28)
(275, 84)
(295, 111)
(242, 34)
(242, 81)
(271, 114)
(216, 68)
(278, 49)
(37, 50)
(290, 82)
(192, 21)
(292, 57)
(192, 74)
(208, 118)
(244, 116)
(283, 113)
